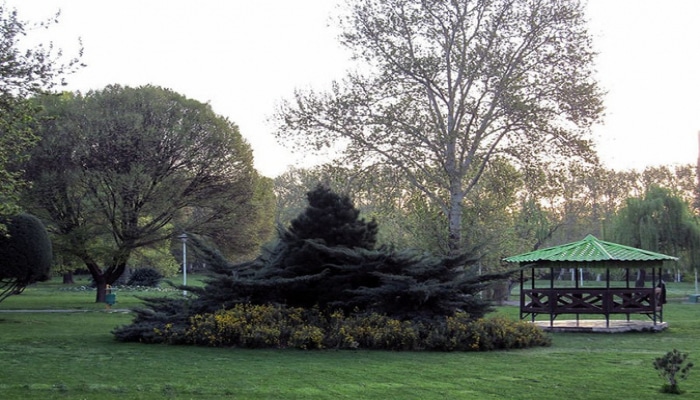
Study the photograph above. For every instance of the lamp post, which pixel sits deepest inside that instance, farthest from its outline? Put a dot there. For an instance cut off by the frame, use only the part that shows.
(183, 237)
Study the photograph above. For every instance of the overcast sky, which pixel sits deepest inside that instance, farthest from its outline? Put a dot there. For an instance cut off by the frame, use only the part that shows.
(244, 56)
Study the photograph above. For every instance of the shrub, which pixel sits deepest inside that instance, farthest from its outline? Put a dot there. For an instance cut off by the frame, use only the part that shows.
(455, 333)
(148, 277)
(373, 331)
(249, 326)
(307, 337)
(254, 326)
(501, 333)
(674, 367)
(25, 254)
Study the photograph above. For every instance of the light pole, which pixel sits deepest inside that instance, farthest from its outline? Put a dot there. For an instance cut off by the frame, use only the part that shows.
(183, 237)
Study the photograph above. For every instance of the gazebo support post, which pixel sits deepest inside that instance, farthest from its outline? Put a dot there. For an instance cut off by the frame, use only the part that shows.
(532, 286)
(552, 298)
(657, 299)
(522, 292)
(607, 301)
(653, 292)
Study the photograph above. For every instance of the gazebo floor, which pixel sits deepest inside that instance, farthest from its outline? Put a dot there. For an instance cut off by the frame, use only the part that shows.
(598, 325)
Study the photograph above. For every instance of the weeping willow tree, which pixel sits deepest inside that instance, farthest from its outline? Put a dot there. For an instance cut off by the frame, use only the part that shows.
(662, 222)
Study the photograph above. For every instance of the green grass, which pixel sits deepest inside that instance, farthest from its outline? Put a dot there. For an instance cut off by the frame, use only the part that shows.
(54, 295)
(73, 356)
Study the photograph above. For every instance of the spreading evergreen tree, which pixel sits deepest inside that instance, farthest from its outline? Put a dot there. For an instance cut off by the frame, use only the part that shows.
(299, 270)
(327, 259)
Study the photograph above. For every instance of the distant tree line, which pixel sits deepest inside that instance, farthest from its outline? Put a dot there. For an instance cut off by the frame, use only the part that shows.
(515, 211)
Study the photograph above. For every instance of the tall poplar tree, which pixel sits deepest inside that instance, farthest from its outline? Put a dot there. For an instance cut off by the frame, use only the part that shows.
(444, 86)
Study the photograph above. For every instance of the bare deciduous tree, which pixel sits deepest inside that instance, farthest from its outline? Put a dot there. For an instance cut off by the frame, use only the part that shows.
(447, 85)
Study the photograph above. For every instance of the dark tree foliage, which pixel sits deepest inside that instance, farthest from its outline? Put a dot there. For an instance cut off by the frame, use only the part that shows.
(24, 71)
(327, 259)
(122, 169)
(149, 277)
(295, 267)
(25, 252)
(332, 220)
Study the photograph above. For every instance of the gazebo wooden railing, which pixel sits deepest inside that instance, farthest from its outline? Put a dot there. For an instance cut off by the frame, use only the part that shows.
(601, 301)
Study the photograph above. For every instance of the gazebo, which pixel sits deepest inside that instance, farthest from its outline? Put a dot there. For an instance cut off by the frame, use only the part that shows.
(606, 300)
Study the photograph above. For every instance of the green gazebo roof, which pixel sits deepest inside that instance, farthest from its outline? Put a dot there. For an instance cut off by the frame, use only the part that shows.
(590, 250)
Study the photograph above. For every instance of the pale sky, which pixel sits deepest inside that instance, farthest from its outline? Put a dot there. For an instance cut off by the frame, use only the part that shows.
(244, 56)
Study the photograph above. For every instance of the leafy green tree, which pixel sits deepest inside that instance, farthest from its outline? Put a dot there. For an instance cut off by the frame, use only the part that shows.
(448, 85)
(25, 251)
(659, 221)
(23, 73)
(254, 223)
(126, 168)
(158, 257)
(680, 180)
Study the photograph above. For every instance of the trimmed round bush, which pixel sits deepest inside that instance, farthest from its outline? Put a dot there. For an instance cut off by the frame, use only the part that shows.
(25, 252)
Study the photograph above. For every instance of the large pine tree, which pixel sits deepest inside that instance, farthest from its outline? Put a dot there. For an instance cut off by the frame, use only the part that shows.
(332, 220)
(327, 259)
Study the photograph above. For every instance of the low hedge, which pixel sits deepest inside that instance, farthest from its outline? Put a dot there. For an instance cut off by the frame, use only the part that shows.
(268, 326)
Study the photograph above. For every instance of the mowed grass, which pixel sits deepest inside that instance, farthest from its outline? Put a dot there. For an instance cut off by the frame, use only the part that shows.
(59, 355)
(54, 295)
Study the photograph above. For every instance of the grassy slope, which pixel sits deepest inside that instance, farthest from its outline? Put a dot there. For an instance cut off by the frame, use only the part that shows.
(73, 356)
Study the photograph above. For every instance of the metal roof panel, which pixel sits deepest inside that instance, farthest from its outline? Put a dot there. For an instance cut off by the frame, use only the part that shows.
(590, 249)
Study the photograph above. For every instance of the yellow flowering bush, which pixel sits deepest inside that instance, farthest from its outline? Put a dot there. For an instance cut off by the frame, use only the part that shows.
(244, 325)
(255, 326)
(307, 337)
(459, 333)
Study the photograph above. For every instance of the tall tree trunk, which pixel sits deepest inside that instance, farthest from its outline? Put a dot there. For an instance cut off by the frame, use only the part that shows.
(454, 240)
(110, 275)
(101, 285)
(68, 278)
(454, 219)
(641, 277)
(99, 276)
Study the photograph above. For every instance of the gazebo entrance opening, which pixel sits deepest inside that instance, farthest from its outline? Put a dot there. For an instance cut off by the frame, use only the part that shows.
(611, 297)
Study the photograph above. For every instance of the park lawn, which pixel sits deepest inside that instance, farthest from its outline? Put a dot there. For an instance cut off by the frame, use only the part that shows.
(61, 355)
(54, 295)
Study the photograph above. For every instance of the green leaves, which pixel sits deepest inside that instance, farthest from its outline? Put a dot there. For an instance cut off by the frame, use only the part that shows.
(674, 367)
(22, 73)
(122, 168)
